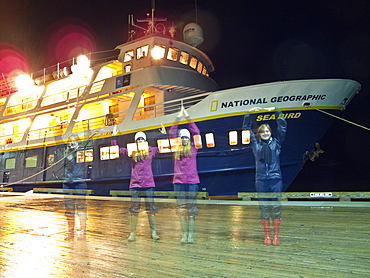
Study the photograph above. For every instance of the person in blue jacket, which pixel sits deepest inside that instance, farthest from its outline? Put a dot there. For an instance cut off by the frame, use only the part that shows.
(266, 150)
(74, 178)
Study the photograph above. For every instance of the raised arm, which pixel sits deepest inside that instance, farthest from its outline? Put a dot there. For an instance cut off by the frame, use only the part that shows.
(282, 126)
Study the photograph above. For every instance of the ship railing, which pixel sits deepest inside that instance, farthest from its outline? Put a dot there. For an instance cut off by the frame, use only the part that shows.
(11, 138)
(7, 85)
(167, 107)
(46, 132)
(109, 119)
(24, 106)
(62, 96)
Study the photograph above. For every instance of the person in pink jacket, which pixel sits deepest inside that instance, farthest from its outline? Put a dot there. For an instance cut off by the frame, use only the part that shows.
(186, 179)
(142, 181)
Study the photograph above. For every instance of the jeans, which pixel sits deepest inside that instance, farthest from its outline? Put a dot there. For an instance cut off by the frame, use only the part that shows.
(72, 204)
(136, 194)
(269, 207)
(186, 196)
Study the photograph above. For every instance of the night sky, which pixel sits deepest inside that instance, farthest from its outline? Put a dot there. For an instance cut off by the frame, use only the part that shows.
(249, 41)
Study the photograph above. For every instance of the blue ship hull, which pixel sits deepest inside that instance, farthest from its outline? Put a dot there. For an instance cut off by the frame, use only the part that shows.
(223, 170)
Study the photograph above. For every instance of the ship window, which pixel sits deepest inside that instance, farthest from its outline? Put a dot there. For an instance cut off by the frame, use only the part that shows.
(210, 140)
(169, 145)
(128, 67)
(150, 100)
(142, 52)
(129, 55)
(158, 51)
(84, 156)
(246, 137)
(50, 159)
(10, 163)
(31, 161)
(193, 62)
(197, 141)
(172, 54)
(204, 71)
(233, 138)
(200, 67)
(110, 152)
(184, 58)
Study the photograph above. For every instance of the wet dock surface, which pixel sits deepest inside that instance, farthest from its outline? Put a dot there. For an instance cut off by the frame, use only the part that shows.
(318, 239)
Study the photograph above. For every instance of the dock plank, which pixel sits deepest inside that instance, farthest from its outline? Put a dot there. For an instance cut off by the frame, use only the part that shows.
(317, 240)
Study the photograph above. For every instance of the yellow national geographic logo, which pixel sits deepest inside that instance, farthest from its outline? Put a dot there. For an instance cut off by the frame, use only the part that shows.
(214, 106)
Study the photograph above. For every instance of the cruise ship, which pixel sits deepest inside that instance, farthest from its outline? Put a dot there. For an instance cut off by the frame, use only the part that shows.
(142, 87)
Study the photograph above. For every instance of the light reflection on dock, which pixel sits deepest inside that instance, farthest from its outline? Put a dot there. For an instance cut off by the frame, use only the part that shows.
(328, 239)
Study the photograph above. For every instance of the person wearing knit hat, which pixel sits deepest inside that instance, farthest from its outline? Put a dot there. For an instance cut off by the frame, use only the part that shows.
(142, 181)
(266, 149)
(186, 178)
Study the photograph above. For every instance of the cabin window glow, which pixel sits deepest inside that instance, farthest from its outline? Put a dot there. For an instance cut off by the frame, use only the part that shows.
(110, 152)
(197, 141)
(84, 156)
(10, 163)
(169, 145)
(31, 161)
(184, 58)
(128, 67)
(210, 140)
(233, 138)
(142, 52)
(172, 54)
(158, 51)
(204, 71)
(200, 67)
(193, 62)
(129, 55)
(246, 137)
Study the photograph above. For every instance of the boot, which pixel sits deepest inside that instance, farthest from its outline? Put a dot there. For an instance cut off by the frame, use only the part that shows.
(277, 223)
(71, 227)
(184, 229)
(153, 225)
(191, 229)
(133, 221)
(82, 233)
(266, 228)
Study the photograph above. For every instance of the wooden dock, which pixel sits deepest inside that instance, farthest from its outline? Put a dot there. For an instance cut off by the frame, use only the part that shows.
(318, 239)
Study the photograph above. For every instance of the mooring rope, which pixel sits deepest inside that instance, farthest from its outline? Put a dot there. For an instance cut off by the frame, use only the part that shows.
(344, 120)
(47, 168)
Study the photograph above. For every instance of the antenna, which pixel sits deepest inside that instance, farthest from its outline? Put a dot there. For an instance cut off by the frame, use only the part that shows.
(196, 11)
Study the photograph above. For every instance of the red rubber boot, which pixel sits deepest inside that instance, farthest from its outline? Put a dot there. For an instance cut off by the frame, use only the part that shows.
(277, 223)
(266, 228)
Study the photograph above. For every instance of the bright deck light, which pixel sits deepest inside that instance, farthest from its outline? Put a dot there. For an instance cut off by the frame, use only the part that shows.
(23, 81)
(158, 52)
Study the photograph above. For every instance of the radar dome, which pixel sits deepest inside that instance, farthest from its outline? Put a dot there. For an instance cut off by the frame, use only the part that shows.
(193, 34)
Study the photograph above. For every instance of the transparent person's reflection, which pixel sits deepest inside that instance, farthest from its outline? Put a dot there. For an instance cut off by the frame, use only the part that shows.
(74, 178)
(186, 179)
(266, 149)
(141, 181)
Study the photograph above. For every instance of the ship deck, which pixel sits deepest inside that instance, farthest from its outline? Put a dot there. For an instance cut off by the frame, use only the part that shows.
(318, 239)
